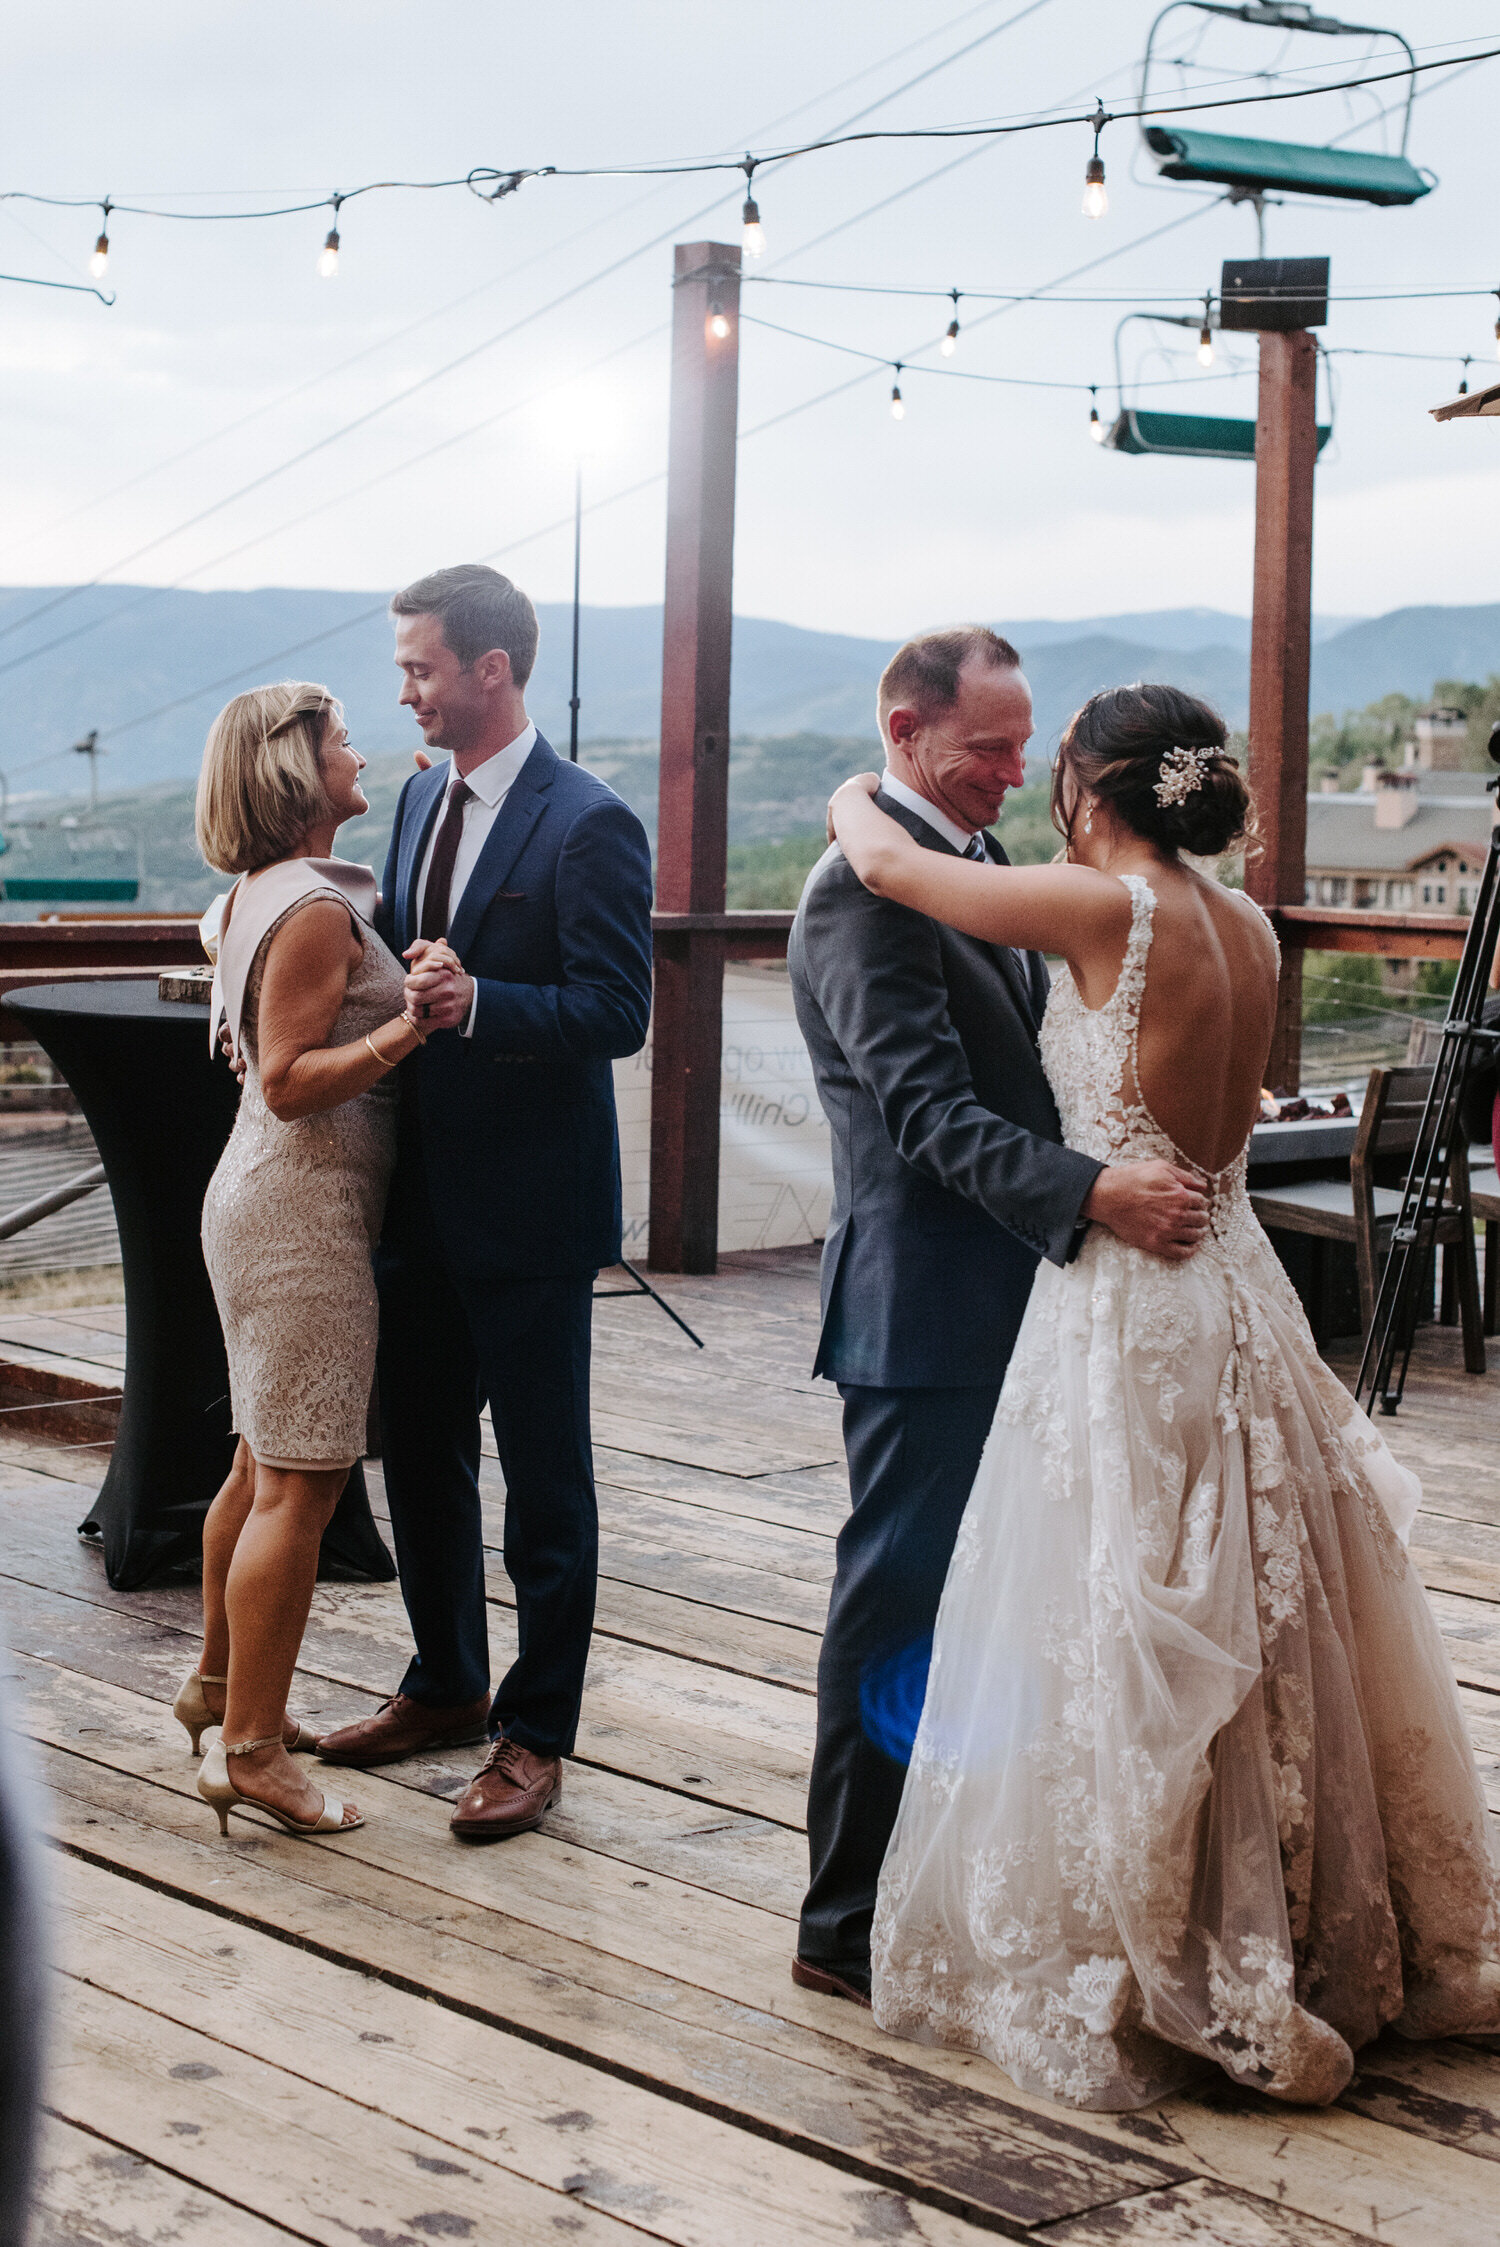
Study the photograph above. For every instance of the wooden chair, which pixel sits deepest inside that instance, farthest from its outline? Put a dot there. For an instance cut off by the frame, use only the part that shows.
(1484, 1197)
(1364, 1211)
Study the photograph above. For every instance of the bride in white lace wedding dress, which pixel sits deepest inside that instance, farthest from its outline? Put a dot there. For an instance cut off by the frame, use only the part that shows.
(1191, 1782)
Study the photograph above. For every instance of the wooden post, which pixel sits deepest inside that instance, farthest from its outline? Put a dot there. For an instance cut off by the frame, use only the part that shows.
(692, 841)
(1286, 452)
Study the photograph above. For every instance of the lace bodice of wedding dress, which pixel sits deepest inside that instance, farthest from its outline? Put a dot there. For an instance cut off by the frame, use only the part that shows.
(1191, 1781)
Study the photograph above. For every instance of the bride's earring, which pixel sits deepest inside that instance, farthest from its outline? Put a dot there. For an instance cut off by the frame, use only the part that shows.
(1088, 819)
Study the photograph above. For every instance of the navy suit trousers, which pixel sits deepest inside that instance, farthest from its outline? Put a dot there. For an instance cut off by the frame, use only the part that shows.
(446, 1348)
(913, 1455)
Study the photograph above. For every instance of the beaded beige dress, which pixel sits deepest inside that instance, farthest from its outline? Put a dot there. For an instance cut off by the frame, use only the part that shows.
(294, 1209)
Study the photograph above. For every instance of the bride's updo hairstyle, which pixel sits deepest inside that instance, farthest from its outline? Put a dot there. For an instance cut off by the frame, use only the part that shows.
(1159, 759)
(261, 783)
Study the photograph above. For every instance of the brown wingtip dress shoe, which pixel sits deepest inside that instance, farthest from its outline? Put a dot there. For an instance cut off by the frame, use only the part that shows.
(401, 1727)
(512, 1792)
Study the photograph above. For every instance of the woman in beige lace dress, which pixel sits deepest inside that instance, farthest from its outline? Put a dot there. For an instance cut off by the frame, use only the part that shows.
(312, 1001)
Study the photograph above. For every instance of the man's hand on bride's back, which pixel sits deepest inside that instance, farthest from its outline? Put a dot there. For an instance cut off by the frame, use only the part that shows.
(1151, 1205)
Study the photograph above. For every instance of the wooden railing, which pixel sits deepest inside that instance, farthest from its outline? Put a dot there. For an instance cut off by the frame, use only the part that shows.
(1392, 936)
(64, 951)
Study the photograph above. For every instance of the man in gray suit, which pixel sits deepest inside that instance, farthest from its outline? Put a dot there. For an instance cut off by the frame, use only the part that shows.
(950, 1183)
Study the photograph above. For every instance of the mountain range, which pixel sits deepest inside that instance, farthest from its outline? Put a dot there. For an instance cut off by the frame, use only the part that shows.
(148, 666)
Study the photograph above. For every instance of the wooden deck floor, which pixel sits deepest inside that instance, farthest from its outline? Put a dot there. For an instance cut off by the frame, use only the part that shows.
(590, 2033)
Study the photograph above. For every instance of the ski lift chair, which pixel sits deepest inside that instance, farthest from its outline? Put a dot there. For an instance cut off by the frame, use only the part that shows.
(1252, 168)
(1136, 429)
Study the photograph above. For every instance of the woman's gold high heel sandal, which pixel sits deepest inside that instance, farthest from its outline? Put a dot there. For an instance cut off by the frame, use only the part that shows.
(222, 1795)
(195, 1716)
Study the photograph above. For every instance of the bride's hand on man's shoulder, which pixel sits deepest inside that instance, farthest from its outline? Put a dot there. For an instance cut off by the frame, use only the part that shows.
(860, 784)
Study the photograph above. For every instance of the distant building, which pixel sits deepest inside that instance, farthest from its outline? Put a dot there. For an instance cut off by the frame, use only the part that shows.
(1409, 840)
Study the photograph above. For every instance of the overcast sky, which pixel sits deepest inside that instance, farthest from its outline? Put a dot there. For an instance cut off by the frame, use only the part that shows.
(985, 500)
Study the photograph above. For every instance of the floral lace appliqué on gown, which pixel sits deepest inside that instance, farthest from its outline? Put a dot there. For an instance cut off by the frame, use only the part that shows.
(1191, 1782)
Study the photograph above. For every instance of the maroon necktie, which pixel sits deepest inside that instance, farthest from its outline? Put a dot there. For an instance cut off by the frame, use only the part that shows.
(434, 920)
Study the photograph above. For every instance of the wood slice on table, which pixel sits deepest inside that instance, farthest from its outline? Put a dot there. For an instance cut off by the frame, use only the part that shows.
(190, 986)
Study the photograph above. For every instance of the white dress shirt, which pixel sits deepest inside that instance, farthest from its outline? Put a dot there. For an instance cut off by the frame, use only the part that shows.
(489, 785)
(960, 837)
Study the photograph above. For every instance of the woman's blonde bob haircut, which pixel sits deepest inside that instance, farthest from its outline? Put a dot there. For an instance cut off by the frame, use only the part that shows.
(261, 785)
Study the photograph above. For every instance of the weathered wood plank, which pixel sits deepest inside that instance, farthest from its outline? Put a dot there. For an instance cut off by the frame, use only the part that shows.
(682, 2175)
(761, 2001)
(1446, 2091)
(321, 2165)
(1457, 1556)
(1388, 2184)
(1206, 2214)
(89, 2193)
(935, 2121)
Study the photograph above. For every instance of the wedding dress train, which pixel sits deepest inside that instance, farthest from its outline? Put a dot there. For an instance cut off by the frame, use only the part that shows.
(1191, 1782)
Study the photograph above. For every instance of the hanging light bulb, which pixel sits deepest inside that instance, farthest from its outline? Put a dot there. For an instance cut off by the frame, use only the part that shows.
(328, 257)
(753, 240)
(1463, 388)
(718, 319)
(949, 343)
(1096, 426)
(898, 405)
(99, 262)
(1095, 201)
(1205, 338)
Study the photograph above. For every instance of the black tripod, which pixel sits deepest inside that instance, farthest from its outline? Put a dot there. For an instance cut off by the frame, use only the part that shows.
(1393, 1328)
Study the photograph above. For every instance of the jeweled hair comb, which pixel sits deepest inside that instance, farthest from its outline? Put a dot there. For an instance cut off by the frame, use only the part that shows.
(1182, 772)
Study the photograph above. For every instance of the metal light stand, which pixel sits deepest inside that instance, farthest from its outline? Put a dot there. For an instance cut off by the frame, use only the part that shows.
(643, 1287)
(1393, 1328)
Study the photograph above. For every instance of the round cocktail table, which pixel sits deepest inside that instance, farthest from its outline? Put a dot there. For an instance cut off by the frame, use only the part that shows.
(160, 1107)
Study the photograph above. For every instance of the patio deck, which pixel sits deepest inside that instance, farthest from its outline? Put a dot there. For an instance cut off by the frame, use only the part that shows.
(590, 2033)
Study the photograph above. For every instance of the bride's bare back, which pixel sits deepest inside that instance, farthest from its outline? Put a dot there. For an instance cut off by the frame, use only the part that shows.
(1210, 998)
(1207, 1014)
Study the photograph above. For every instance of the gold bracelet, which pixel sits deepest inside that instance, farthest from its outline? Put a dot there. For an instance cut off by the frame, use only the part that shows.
(380, 1057)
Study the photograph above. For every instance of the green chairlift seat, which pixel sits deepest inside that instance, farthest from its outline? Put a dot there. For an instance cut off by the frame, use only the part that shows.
(1252, 168)
(1257, 166)
(62, 890)
(1193, 436)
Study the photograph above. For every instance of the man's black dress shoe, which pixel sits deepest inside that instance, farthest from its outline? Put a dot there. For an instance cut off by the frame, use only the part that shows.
(852, 1982)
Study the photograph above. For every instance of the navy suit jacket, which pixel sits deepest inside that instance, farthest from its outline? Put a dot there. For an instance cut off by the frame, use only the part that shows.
(511, 1132)
(949, 1182)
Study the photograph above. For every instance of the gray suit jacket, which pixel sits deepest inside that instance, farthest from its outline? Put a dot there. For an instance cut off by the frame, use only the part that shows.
(949, 1177)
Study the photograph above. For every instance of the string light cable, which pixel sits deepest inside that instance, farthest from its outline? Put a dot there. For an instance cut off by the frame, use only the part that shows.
(549, 252)
(492, 183)
(616, 265)
(1010, 303)
(974, 374)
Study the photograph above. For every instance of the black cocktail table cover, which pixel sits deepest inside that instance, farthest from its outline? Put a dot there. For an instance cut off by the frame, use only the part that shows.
(160, 1108)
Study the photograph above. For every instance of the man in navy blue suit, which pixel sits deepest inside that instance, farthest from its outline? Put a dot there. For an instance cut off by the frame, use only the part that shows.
(519, 888)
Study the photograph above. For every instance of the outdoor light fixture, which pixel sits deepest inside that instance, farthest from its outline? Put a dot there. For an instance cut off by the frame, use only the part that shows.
(898, 406)
(949, 343)
(1095, 201)
(753, 241)
(718, 318)
(328, 257)
(1096, 426)
(1205, 338)
(99, 262)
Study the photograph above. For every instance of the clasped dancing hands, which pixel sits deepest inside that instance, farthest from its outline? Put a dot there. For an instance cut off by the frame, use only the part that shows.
(438, 993)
